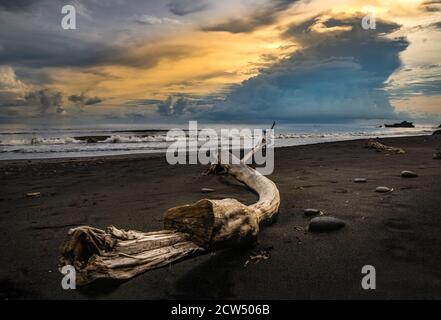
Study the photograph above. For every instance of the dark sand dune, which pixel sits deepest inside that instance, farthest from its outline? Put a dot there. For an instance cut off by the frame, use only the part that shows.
(397, 232)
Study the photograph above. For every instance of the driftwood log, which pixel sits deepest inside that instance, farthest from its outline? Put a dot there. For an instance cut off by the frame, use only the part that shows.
(373, 144)
(188, 230)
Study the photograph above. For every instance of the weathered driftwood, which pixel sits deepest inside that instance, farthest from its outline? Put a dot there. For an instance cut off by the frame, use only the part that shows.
(373, 144)
(121, 254)
(189, 229)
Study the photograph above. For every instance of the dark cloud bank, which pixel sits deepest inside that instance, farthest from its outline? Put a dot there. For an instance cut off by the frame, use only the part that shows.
(260, 16)
(16, 5)
(184, 7)
(431, 5)
(47, 101)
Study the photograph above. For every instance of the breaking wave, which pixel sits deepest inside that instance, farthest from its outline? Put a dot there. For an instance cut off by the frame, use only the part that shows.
(40, 141)
(134, 139)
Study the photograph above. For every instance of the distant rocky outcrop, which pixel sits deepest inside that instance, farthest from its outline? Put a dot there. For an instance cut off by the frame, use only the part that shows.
(403, 124)
(92, 139)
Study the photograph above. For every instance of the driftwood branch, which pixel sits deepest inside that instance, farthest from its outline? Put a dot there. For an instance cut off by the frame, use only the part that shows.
(189, 229)
(373, 144)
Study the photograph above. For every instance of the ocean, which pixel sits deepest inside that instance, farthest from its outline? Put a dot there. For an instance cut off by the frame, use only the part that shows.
(21, 142)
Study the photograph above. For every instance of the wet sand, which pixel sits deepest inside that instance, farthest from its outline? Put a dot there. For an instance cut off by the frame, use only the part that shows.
(398, 233)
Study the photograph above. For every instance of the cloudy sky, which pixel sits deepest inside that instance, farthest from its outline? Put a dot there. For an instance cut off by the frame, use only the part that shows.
(231, 60)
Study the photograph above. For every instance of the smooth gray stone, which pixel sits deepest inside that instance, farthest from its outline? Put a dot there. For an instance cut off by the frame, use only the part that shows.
(383, 189)
(207, 190)
(311, 212)
(360, 180)
(323, 224)
(408, 174)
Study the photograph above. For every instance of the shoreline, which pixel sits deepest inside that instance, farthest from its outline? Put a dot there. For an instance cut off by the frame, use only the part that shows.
(162, 154)
(398, 232)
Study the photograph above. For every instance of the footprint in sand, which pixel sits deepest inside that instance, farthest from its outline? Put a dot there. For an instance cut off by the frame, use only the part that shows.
(341, 190)
(398, 225)
(400, 244)
(403, 251)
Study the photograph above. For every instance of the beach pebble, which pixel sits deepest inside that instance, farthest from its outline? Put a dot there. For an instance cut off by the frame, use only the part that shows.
(311, 212)
(408, 174)
(360, 180)
(383, 189)
(207, 190)
(322, 224)
(33, 194)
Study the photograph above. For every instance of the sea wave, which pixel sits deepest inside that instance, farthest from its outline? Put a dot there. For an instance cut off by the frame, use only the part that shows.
(134, 139)
(383, 133)
(31, 150)
(84, 140)
(41, 141)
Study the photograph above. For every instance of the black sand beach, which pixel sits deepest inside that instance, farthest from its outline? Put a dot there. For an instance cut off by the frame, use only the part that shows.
(397, 232)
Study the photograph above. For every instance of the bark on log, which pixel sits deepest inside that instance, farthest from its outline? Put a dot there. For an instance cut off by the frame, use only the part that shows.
(189, 229)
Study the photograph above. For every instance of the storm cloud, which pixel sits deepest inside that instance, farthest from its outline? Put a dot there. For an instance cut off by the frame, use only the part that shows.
(261, 15)
(42, 43)
(47, 100)
(130, 54)
(339, 74)
(431, 5)
(175, 106)
(55, 50)
(38, 100)
(11, 88)
(184, 7)
(16, 5)
(82, 100)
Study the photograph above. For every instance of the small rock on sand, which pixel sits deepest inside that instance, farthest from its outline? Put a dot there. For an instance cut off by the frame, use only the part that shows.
(360, 180)
(207, 190)
(382, 189)
(437, 155)
(322, 224)
(33, 194)
(408, 174)
(311, 212)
